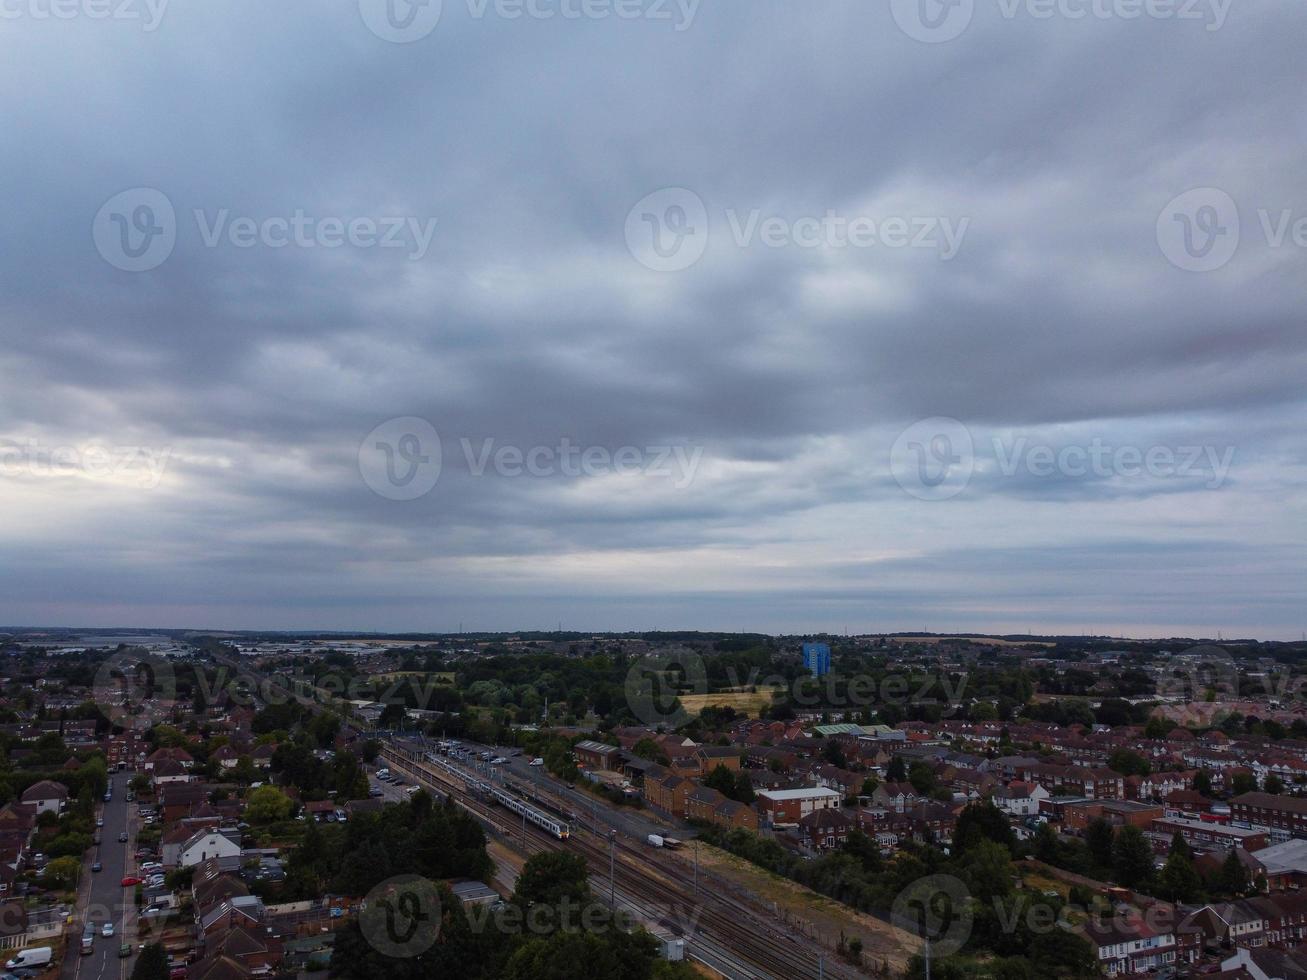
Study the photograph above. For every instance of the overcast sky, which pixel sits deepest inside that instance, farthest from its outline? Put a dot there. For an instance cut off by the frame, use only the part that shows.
(752, 315)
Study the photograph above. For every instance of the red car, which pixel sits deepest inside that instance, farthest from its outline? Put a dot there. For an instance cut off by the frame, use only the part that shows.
(129, 881)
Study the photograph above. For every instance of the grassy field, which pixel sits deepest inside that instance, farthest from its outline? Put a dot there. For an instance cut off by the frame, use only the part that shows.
(750, 703)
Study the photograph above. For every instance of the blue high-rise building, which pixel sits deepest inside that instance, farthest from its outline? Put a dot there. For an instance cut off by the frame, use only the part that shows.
(816, 657)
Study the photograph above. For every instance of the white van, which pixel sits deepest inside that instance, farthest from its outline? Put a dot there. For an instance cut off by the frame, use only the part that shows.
(31, 958)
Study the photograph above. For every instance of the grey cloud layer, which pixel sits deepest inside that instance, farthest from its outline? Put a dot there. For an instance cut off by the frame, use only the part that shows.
(259, 370)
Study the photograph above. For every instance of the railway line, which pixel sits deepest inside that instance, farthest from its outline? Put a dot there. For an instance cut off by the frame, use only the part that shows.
(766, 950)
(724, 933)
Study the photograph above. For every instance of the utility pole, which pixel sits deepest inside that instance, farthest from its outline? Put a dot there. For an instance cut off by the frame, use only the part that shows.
(696, 866)
(821, 966)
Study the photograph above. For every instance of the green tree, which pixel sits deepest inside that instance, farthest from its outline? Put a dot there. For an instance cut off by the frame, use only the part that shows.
(1178, 881)
(1099, 838)
(1232, 877)
(1203, 783)
(722, 780)
(551, 876)
(267, 804)
(1128, 763)
(744, 788)
(1132, 857)
(62, 873)
(152, 964)
(1274, 784)
(922, 778)
(1158, 727)
(981, 822)
(1062, 954)
(1243, 782)
(648, 749)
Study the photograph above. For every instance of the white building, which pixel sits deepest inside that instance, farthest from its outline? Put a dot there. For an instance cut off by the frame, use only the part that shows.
(206, 844)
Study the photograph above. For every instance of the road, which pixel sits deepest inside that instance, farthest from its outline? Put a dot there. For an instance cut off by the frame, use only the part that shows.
(105, 899)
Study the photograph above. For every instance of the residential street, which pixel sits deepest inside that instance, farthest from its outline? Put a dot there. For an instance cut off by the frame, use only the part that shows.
(104, 899)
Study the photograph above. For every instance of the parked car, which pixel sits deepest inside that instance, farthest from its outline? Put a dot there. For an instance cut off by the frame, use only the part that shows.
(131, 881)
(537, 762)
(99, 821)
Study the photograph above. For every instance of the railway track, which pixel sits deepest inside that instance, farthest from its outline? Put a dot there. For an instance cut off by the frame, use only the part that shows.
(734, 925)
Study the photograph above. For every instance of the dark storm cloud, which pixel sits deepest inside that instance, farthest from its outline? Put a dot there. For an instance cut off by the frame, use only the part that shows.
(526, 321)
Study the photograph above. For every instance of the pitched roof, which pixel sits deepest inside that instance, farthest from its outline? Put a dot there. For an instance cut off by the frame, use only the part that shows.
(46, 789)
